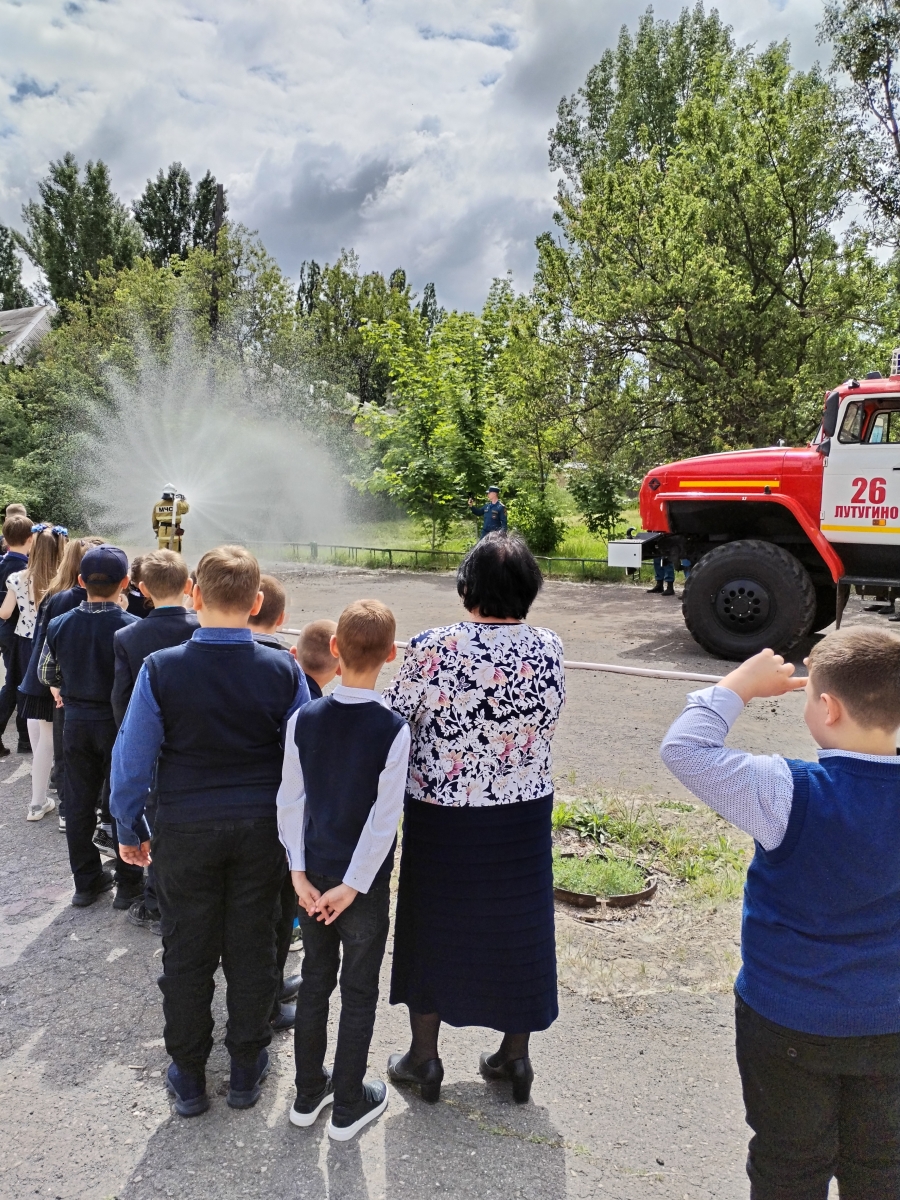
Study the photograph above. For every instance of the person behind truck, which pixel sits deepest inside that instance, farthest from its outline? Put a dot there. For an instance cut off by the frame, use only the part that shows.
(493, 513)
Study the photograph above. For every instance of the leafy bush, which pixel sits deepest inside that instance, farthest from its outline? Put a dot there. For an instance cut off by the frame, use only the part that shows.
(538, 522)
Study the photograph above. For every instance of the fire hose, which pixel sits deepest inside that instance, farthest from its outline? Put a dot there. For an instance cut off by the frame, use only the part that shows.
(614, 668)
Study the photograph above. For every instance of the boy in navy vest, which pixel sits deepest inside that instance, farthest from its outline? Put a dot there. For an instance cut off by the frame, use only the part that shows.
(204, 721)
(164, 582)
(77, 661)
(818, 995)
(339, 803)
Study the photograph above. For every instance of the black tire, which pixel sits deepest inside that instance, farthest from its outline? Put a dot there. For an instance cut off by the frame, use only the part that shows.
(826, 607)
(744, 596)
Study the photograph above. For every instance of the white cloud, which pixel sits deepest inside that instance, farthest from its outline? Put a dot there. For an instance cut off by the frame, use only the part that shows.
(414, 132)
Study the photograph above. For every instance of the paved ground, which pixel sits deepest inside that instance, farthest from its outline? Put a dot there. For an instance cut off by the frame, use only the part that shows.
(635, 1099)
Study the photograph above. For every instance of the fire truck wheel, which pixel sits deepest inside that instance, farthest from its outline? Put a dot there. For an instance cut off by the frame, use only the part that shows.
(744, 596)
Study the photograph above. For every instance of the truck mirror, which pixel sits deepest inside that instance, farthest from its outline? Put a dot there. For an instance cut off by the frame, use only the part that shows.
(830, 416)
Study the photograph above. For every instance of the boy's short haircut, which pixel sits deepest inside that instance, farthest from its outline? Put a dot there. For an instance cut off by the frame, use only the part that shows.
(16, 510)
(314, 646)
(365, 634)
(163, 573)
(861, 667)
(17, 530)
(228, 578)
(273, 605)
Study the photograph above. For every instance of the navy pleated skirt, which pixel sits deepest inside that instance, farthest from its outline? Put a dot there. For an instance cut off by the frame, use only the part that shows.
(474, 938)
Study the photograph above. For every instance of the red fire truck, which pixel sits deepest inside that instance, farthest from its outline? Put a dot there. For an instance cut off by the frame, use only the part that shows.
(777, 537)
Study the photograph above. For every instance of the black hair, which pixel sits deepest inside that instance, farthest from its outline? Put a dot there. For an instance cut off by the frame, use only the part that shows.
(499, 576)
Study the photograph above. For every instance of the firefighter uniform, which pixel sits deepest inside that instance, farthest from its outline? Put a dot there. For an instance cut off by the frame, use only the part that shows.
(167, 514)
(493, 514)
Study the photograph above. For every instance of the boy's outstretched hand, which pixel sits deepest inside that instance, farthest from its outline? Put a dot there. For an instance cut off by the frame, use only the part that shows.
(333, 902)
(306, 893)
(765, 674)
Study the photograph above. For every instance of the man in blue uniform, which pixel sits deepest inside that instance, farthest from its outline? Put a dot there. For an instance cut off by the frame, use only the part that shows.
(494, 513)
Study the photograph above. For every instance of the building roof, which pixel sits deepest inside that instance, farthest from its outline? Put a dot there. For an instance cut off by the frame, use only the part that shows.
(22, 328)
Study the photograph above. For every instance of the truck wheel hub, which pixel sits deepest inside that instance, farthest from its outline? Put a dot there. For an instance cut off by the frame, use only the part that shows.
(742, 604)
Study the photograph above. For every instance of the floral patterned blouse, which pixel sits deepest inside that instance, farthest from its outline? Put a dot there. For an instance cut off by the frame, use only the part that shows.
(483, 702)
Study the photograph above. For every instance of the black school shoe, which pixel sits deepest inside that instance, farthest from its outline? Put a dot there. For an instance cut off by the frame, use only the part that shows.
(284, 1018)
(126, 894)
(141, 916)
(188, 1091)
(244, 1084)
(24, 746)
(290, 988)
(4, 750)
(307, 1108)
(105, 883)
(348, 1119)
(518, 1071)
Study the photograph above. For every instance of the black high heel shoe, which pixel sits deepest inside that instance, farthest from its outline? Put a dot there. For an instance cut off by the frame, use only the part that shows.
(428, 1075)
(517, 1071)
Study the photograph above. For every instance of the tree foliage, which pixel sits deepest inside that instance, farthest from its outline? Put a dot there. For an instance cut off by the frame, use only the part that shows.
(175, 216)
(77, 223)
(13, 293)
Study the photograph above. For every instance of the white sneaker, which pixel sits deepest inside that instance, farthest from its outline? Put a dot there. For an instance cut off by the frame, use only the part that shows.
(38, 812)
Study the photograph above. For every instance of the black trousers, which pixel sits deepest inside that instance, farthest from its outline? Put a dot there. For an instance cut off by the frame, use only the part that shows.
(217, 883)
(87, 750)
(9, 693)
(285, 912)
(355, 943)
(820, 1108)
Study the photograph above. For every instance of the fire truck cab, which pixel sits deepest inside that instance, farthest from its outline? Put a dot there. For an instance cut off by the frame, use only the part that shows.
(777, 537)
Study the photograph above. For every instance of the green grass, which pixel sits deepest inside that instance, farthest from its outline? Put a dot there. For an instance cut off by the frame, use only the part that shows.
(713, 868)
(597, 876)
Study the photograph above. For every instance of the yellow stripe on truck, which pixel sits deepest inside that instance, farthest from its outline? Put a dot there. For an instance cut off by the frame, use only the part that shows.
(862, 528)
(728, 483)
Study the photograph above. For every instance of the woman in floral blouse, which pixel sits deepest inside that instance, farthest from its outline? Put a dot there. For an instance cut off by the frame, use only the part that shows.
(474, 941)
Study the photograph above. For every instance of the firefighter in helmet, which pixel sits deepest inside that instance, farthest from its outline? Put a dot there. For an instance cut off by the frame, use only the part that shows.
(167, 514)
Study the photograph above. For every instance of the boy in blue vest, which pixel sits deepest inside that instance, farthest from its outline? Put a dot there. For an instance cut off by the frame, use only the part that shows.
(78, 662)
(339, 803)
(205, 721)
(818, 995)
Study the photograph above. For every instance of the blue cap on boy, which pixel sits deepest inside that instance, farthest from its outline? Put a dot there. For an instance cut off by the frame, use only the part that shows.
(104, 564)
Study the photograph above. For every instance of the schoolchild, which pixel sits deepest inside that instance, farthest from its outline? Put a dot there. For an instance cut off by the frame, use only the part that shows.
(17, 532)
(136, 599)
(164, 583)
(264, 626)
(63, 594)
(205, 722)
(78, 665)
(27, 590)
(339, 804)
(313, 653)
(818, 995)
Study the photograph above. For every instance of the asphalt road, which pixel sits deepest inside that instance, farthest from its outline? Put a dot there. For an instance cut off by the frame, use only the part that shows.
(635, 1101)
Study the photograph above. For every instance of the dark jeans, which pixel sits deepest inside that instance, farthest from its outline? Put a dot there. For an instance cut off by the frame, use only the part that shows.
(820, 1108)
(87, 750)
(217, 883)
(9, 693)
(360, 932)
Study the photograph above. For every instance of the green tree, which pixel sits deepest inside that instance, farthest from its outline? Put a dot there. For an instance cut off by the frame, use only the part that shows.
(865, 36)
(174, 216)
(599, 493)
(13, 293)
(699, 294)
(337, 301)
(77, 224)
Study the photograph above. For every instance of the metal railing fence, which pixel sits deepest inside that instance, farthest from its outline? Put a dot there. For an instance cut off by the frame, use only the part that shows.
(333, 553)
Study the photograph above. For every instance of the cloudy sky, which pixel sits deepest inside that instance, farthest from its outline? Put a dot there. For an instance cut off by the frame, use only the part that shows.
(413, 131)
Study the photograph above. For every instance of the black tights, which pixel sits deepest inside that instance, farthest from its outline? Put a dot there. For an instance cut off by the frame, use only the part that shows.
(426, 1027)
